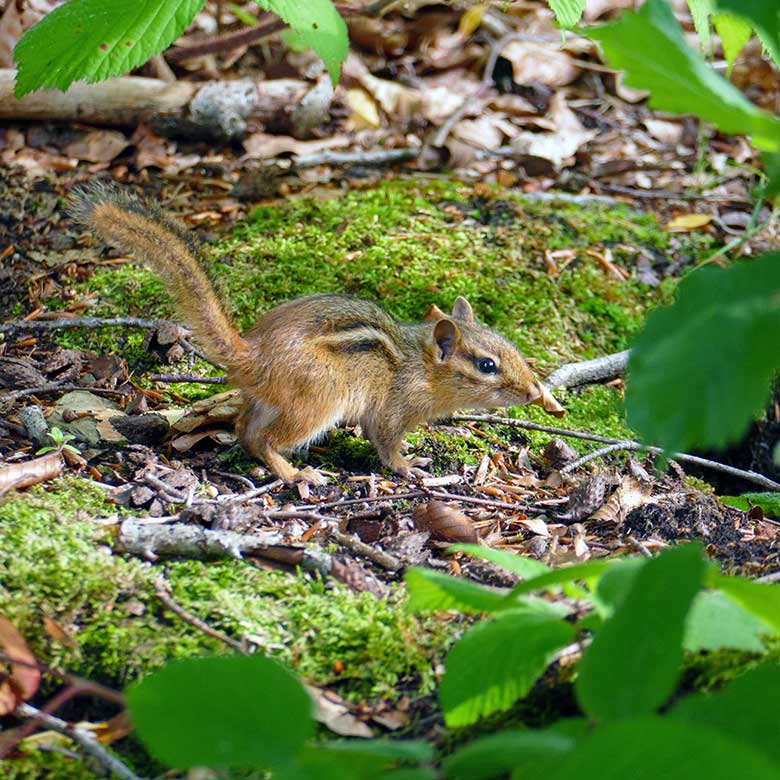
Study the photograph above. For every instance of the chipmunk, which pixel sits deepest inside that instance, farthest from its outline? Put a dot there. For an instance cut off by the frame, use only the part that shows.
(320, 360)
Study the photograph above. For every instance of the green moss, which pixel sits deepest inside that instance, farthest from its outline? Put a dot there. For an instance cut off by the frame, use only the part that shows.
(56, 560)
(366, 646)
(33, 764)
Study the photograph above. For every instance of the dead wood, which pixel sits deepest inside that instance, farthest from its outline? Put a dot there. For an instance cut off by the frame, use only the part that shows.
(212, 110)
(600, 369)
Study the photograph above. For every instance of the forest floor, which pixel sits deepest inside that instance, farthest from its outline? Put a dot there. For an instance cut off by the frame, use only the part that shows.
(563, 256)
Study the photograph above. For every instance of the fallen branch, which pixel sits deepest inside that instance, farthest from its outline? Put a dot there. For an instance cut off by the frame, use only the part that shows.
(65, 323)
(695, 460)
(193, 542)
(30, 472)
(84, 738)
(54, 387)
(597, 370)
(376, 158)
(599, 453)
(212, 110)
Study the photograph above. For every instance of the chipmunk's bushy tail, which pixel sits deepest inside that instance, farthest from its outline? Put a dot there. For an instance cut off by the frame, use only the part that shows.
(173, 252)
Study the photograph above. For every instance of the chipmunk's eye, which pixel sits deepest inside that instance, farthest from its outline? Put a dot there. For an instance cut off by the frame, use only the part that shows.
(487, 366)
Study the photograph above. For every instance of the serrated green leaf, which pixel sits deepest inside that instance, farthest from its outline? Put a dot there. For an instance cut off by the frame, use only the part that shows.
(745, 709)
(701, 368)
(716, 622)
(655, 748)
(701, 10)
(771, 161)
(496, 754)
(520, 565)
(580, 571)
(496, 663)
(615, 683)
(230, 711)
(320, 27)
(92, 40)
(762, 599)
(567, 12)
(432, 590)
(764, 16)
(650, 47)
(734, 33)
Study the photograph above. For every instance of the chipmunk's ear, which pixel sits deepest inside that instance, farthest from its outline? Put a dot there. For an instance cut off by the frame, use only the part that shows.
(446, 335)
(433, 313)
(461, 310)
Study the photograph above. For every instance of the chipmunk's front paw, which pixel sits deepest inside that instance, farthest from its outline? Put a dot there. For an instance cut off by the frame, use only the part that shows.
(311, 477)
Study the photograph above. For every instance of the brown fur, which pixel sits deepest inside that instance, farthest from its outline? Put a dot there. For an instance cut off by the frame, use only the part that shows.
(316, 361)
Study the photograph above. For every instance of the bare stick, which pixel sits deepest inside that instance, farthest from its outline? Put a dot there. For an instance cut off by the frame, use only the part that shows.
(491, 502)
(381, 157)
(82, 737)
(600, 452)
(53, 387)
(189, 378)
(64, 323)
(368, 500)
(163, 592)
(749, 476)
(353, 544)
(587, 371)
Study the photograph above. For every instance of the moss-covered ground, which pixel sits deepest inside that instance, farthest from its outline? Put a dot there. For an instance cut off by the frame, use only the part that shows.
(405, 244)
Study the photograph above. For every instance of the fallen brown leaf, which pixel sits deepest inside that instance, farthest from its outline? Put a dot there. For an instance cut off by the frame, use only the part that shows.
(23, 680)
(30, 472)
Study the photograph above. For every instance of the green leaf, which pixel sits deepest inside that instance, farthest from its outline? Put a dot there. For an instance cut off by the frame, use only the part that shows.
(663, 749)
(230, 711)
(745, 709)
(650, 47)
(616, 584)
(763, 600)
(520, 565)
(734, 33)
(92, 40)
(358, 760)
(633, 664)
(771, 162)
(567, 12)
(432, 590)
(769, 502)
(682, 391)
(701, 11)
(320, 27)
(580, 571)
(496, 754)
(496, 663)
(765, 17)
(715, 622)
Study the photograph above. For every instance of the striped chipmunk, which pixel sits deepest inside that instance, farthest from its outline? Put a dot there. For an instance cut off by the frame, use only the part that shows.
(320, 360)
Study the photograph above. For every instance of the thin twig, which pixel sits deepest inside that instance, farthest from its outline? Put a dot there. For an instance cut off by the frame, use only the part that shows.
(235, 40)
(189, 378)
(85, 739)
(639, 547)
(484, 86)
(631, 446)
(53, 387)
(368, 500)
(491, 502)
(353, 544)
(163, 592)
(749, 476)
